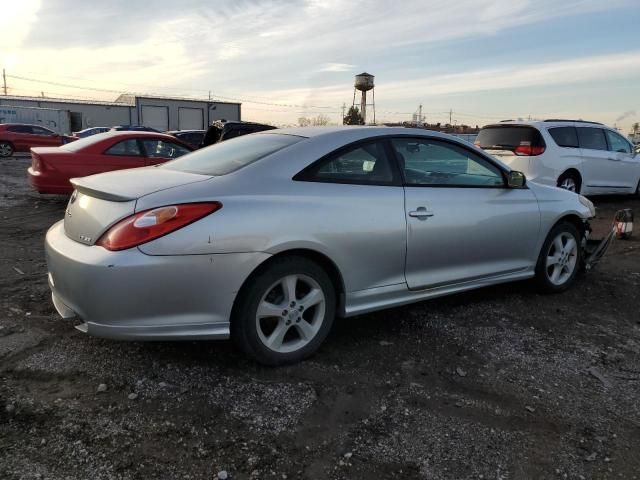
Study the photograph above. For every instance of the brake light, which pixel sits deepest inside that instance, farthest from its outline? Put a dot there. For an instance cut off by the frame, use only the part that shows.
(35, 162)
(525, 148)
(151, 224)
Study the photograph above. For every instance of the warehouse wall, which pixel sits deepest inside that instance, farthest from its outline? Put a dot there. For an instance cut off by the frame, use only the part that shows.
(87, 115)
(164, 113)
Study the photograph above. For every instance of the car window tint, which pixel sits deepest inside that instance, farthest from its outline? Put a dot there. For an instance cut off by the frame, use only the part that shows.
(128, 148)
(365, 163)
(434, 163)
(42, 131)
(226, 157)
(20, 129)
(503, 137)
(617, 143)
(163, 149)
(565, 136)
(592, 138)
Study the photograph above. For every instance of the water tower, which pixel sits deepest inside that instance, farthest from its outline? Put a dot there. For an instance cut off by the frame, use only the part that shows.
(364, 83)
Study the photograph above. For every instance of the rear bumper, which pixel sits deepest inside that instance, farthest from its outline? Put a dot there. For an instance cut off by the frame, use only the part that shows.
(43, 184)
(133, 296)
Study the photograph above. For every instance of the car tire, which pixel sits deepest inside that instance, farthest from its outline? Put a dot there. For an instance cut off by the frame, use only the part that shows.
(284, 313)
(559, 261)
(638, 189)
(6, 149)
(570, 181)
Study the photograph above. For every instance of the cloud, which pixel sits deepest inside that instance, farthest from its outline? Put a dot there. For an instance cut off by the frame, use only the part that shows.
(336, 67)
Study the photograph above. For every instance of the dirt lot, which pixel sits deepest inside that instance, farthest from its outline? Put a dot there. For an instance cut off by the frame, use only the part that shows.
(501, 383)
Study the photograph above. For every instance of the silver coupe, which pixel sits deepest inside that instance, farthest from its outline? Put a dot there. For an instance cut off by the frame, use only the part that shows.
(268, 237)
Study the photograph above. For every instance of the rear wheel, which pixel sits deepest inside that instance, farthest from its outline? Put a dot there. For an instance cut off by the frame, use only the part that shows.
(569, 181)
(6, 149)
(285, 313)
(560, 258)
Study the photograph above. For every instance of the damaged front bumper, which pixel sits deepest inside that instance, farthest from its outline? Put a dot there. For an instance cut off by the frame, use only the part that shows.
(594, 250)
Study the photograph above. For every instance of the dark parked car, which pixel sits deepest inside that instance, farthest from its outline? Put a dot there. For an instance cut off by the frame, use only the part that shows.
(193, 138)
(133, 128)
(16, 137)
(224, 130)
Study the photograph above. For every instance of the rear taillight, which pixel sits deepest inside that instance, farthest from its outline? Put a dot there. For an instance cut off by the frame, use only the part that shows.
(151, 224)
(526, 149)
(36, 163)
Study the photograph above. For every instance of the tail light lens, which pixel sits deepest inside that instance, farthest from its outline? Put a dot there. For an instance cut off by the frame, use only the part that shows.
(525, 148)
(36, 163)
(151, 224)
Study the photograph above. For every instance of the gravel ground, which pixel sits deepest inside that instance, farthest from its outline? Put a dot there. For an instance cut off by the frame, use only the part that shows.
(500, 383)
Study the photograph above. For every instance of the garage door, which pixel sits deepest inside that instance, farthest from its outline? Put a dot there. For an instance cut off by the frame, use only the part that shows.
(190, 118)
(155, 117)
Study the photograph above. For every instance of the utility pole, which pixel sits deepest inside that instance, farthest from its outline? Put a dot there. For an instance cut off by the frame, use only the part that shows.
(420, 114)
(209, 95)
(344, 106)
(450, 113)
(4, 81)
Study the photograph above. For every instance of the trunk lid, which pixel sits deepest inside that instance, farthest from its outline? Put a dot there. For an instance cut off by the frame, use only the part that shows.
(99, 201)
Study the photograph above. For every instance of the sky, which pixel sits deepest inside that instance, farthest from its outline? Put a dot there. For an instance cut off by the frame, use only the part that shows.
(481, 60)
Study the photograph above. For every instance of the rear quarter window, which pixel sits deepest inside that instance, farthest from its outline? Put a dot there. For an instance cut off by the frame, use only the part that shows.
(592, 138)
(565, 136)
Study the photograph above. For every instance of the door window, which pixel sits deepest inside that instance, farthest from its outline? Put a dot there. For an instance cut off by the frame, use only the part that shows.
(363, 164)
(163, 149)
(592, 138)
(20, 129)
(617, 143)
(434, 163)
(126, 148)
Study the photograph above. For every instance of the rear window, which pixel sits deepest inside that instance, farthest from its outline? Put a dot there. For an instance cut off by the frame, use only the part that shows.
(78, 145)
(500, 137)
(227, 157)
(565, 136)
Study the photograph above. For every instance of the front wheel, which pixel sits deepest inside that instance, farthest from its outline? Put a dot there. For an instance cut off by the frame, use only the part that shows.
(560, 259)
(285, 312)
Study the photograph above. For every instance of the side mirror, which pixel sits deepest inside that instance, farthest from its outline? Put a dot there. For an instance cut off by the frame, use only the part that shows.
(516, 179)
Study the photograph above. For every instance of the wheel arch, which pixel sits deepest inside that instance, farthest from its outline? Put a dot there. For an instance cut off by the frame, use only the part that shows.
(315, 256)
(571, 171)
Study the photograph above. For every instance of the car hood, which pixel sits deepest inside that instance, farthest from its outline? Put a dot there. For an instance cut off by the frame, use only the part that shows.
(127, 185)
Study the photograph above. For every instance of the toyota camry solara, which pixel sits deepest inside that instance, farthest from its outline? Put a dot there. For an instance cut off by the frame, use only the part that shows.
(267, 238)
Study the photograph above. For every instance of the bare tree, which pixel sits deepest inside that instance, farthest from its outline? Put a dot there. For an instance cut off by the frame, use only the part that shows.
(320, 121)
(304, 121)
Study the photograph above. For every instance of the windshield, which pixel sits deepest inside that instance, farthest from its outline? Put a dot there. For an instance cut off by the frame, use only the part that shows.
(508, 137)
(229, 156)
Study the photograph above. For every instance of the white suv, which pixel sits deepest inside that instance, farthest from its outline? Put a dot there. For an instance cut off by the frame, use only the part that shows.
(584, 157)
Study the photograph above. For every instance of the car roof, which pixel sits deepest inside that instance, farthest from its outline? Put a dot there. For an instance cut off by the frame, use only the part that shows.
(360, 131)
(171, 132)
(553, 122)
(22, 125)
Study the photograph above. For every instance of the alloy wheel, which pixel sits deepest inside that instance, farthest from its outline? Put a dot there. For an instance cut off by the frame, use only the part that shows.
(290, 313)
(568, 184)
(562, 258)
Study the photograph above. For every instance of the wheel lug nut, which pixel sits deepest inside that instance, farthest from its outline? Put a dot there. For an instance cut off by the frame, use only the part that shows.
(301, 308)
(293, 304)
(284, 312)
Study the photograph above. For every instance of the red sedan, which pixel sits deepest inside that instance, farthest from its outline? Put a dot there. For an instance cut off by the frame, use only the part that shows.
(51, 168)
(16, 137)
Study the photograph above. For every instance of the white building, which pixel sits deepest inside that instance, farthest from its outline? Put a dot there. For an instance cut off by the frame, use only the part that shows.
(161, 113)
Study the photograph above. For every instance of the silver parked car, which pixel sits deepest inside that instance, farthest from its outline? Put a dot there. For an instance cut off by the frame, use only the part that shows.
(267, 237)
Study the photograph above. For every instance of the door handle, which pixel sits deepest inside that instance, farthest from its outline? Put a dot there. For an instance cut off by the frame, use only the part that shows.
(420, 212)
(613, 159)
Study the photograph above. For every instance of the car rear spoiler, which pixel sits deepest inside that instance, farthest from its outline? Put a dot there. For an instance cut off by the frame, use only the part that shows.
(83, 187)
